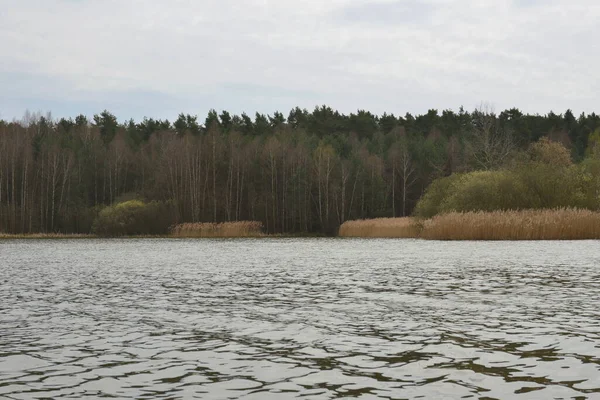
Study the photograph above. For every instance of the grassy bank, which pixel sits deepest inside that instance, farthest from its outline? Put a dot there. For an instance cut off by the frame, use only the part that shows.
(559, 224)
(223, 230)
(45, 236)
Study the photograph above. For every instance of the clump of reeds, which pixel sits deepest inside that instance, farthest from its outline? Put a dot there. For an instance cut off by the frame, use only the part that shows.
(559, 224)
(218, 230)
(381, 228)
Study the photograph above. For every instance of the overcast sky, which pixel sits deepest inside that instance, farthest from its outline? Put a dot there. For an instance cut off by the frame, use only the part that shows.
(157, 58)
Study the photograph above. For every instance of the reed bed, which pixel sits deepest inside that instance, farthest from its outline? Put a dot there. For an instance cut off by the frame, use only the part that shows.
(381, 228)
(220, 230)
(45, 236)
(559, 224)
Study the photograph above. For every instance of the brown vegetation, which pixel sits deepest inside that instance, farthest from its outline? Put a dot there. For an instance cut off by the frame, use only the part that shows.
(559, 224)
(222, 230)
(381, 228)
(46, 236)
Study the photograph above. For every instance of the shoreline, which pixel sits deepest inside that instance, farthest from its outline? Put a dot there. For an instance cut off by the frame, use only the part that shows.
(61, 236)
(518, 225)
(269, 237)
(522, 225)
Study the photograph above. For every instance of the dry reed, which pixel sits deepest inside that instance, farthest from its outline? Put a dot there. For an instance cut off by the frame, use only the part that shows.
(560, 224)
(222, 230)
(381, 228)
(45, 236)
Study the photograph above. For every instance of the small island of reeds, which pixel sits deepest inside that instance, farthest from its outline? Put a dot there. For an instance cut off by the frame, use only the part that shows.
(381, 228)
(239, 229)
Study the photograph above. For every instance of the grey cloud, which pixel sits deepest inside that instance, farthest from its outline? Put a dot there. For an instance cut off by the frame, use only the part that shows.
(390, 12)
(240, 88)
(153, 57)
(531, 3)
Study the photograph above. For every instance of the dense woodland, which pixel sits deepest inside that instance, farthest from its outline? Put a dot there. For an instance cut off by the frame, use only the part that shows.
(307, 172)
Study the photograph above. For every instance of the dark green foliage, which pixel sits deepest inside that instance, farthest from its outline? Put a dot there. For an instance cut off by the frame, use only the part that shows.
(226, 121)
(149, 126)
(81, 121)
(187, 124)
(387, 123)
(277, 120)
(298, 118)
(107, 123)
(212, 120)
(262, 127)
(247, 126)
(364, 124)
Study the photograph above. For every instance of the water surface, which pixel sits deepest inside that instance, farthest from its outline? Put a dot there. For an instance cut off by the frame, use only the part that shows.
(299, 318)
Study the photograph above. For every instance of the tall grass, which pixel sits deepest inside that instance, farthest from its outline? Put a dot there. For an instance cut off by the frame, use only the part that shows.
(380, 228)
(45, 236)
(559, 224)
(222, 230)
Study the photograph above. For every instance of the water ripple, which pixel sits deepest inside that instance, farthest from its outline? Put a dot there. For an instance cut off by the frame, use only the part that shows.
(290, 318)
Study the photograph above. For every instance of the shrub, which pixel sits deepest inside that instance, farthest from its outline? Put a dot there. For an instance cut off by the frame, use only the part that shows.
(544, 178)
(485, 191)
(134, 217)
(475, 191)
(548, 152)
(431, 202)
(550, 186)
(590, 182)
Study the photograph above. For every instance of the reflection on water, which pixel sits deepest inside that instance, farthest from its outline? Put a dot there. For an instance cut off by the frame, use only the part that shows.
(318, 319)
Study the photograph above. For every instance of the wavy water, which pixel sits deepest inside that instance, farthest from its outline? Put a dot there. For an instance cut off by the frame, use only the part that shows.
(292, 318)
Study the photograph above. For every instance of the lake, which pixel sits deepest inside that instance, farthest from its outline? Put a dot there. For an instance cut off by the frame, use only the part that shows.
(299, 318)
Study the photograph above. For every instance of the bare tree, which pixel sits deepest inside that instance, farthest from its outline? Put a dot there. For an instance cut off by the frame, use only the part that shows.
(491, 144)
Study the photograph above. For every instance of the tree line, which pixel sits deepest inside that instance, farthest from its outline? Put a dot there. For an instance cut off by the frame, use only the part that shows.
(307, 172)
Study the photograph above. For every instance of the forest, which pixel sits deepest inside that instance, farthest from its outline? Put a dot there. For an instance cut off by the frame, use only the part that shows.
(306, 172)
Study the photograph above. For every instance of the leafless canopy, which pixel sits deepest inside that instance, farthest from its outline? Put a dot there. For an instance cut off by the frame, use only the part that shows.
(491, 143)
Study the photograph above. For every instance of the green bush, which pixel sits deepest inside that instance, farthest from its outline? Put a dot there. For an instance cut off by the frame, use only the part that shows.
(135, 217)
(589, 172)
(430, 203)
(486, 191)
(535, 183)
(550, 186)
